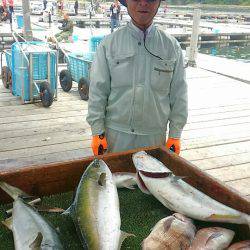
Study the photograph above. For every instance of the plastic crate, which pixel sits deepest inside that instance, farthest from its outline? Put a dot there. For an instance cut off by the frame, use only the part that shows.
(94, 42)
(21, 71)
(79, 65)
(8, 58)
(19, 19)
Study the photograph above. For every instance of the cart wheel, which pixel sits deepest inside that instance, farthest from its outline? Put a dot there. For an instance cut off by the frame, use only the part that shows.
(65, 80)
(83, 89)
(45, 95)
(4, 74)
(9, 80)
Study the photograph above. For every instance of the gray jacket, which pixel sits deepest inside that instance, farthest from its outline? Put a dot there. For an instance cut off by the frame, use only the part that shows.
(135, 92)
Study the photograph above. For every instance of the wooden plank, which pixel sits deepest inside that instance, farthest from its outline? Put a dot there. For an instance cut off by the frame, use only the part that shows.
(231, 173)
(77, 127)
(66, 155)
(37, 124)
(216, 110)
(222, 161)
(30, 152)
(42, 117)
(214, 131)
(217, 123)
(24, 110)
(218, 116)
(242, 185)
(216, 151)
(41, 140)
(214, 141)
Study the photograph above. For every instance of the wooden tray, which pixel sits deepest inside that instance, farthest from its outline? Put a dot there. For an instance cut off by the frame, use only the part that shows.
(62, 177)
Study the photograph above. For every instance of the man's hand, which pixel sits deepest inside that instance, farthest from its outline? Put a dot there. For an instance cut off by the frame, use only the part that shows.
(174, 145)
(99, 144)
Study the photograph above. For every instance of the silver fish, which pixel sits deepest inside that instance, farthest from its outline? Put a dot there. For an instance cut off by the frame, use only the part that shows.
(212, 238)
(242, 245)
(30, 229)
(95, 209)
(179, 196)
(175, 232)
(124, 180)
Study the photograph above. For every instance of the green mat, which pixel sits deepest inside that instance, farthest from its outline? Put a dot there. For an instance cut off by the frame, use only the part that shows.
(139, 214)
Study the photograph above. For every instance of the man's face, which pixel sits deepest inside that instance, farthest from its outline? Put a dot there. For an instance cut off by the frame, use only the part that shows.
(142, 12)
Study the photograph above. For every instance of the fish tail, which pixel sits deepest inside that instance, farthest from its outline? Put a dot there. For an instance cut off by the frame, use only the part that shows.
(12, 191)
(248, 220)
(67, 211)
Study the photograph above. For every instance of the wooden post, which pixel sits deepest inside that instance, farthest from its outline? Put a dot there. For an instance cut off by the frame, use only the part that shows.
(194, 38)
(26, 20)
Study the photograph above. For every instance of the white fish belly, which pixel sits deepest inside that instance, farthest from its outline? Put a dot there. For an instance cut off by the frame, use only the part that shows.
(109, 221)
(183, 198)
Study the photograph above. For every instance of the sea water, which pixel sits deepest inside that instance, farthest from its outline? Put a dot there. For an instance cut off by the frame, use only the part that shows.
(241, 53)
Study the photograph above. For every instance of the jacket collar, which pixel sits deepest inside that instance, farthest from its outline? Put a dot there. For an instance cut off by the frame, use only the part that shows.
(138, 33)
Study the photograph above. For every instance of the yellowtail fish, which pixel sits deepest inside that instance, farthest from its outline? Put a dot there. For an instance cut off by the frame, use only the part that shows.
(179, 196)
(95, 209)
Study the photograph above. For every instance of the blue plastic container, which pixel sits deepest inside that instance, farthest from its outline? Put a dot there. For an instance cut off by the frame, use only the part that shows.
(19, 19)
(20, 70)
(79, 65)
(94, 42)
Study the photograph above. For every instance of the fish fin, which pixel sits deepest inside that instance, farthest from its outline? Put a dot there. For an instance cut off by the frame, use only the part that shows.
(175, 178)
(8, 223)
(141, 184)
(167, 223)
(67, 211)
(127, 184)
(44, 208)
(218, 217)
(213, 236)
(12, 191)
(123, 236)
(102, 179)
(36, 244)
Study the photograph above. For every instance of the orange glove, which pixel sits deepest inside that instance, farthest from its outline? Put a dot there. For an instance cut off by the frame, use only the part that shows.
(174, 145)
(99, 144)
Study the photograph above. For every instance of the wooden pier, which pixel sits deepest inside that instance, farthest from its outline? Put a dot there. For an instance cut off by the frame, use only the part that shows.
(216, 137)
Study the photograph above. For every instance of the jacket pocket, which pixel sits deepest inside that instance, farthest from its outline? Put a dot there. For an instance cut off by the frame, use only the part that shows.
(121, 70)
(162, 73)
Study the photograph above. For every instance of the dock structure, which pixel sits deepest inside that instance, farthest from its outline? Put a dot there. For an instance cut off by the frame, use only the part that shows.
(216, 138)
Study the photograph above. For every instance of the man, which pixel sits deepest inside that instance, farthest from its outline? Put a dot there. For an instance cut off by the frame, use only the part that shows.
(67, 29)
(114, 15)
(76, 7)
(11, 10)
(138, 88)
(45, 4)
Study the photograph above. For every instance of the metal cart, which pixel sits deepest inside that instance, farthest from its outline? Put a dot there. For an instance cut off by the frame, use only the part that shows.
(33, 72)
(78, 69)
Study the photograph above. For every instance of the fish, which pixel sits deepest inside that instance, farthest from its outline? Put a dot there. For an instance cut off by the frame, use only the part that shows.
(175, 232)
(125, 180)
(177, 195)
(242, 245)
(212, 238)
(95, 209)
(30, 229)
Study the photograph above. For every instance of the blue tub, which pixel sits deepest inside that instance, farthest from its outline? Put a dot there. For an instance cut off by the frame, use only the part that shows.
(94, 42)
(20, 69)
(79, 65)
(19, 19)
